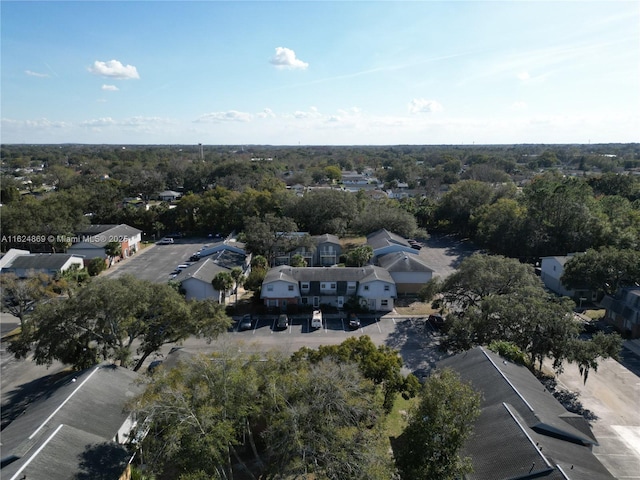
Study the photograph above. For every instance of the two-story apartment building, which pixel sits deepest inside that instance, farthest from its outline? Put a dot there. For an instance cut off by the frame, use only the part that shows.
(308, 286)
(322, 251)
(623, 310)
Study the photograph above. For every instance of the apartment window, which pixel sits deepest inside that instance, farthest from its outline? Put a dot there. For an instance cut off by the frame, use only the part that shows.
(269, 288)
(366, 288)
(291, 288)
(305, 286)
(333, 286)
(384, 303)
(386, 288)
(305, 300)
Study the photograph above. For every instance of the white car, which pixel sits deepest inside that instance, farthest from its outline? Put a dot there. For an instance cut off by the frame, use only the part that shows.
(165, 241)
(316, 319)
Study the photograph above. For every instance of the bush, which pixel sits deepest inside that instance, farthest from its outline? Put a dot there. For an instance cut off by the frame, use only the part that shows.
(96, 266)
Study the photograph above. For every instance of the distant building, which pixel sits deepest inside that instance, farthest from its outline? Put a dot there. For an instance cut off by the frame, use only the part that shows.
(48, 263)
(551, 270)
(623, 310)
(91, 241)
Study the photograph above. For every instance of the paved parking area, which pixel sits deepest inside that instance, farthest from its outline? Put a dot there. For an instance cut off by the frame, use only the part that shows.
(156, 262)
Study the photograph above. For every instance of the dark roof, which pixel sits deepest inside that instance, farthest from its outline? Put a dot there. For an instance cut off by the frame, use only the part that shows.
(204, 270)
(101, 235)
(40, 261)
(403, 262)
(523, 431)
(81, 410)
(328, 274)
(326, 238)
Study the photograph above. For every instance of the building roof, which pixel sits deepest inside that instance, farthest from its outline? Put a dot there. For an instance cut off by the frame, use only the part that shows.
(8, 257)
(40, 261)
(383, 238)
(204, 271)
(326, 238)
(67, 430)
(327, 274)
(523, 431)
(403, 262)
(101, 235)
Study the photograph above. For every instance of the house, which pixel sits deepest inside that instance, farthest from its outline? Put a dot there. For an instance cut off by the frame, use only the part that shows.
(551, 270)
(408, 270)
(196, 279)
(169, 196)
(325, 250)
(623, 310)
(22, 266)
(383, 242)
(78, 429)
(522, 432)
(8, 257)
(91, 242)
(372, 286)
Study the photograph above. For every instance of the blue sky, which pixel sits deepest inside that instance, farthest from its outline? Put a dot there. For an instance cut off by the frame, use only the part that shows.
(320, 73)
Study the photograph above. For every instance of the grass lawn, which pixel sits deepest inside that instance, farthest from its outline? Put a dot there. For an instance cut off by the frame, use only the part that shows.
(595, 314)
(397, 419)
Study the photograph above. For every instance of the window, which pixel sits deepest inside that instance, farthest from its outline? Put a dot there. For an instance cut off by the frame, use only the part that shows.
(291, 288)
(269, 288)
(384, 303)
(366, 288)
(333, 286)
(386, 288)
(304, 286)
(305, 300)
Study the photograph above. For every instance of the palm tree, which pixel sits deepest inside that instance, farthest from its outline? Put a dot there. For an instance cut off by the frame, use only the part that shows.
(238, 278)
(222, 282)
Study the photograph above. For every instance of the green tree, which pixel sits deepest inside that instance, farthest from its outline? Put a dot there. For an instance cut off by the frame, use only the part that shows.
(359, 256)
(113, 249)
(298, 261)
(603, 270)
(222, 282)
(96, 266)
(437, 428)
(267, 236)
(21, 295)
(238, 279)
(458, 206)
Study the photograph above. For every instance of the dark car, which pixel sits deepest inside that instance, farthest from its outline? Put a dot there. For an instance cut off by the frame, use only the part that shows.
(354, 321)
(246, 322)
(195, 257)
(283, 321)
(436, 321)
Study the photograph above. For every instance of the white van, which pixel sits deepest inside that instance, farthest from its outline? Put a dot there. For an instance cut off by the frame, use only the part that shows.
(316, 319)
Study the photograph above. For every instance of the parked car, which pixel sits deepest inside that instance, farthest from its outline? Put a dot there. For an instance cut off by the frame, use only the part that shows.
(195, 257)
(354, 321)
(246, 322)
(165, 241)
(316, 319)
(283, 321)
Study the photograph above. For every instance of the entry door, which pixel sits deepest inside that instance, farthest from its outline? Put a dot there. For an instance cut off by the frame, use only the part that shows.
(340, 302)
(316, 302)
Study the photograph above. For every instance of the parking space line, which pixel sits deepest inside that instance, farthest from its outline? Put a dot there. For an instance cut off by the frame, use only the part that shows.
(378, 325)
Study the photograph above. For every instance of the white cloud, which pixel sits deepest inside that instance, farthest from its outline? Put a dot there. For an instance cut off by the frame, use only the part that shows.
(520, 105)
(114, 69)
(230, 116)
(286, 58)
(524, 76)
(36, 74)
(110, 88)
(421, 105)
(266, 113)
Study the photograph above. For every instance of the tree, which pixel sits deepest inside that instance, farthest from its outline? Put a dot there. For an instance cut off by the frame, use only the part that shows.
(437, 428)
(603, 270)
(298, 261)
(113, 249)
(96, 266)
(379, 214)
(359, 256)
(21, 295)
(267, 236)
(104, 319)
(238, 278)
(460, 204)
(222, 282)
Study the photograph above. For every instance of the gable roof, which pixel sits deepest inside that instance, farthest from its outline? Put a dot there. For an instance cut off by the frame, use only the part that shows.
(326, 238)
(8, 257)
(204, 271)
(41, 261)
(403, 262)
(101, 235)
(384, 238)
(523, 431)
(82, 409)
(368, 273)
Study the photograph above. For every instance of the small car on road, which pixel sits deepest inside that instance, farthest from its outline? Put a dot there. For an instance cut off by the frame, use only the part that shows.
(354, 321)
(282, 322)
(246, 322)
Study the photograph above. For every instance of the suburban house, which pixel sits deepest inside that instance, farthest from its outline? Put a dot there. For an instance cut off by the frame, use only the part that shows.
(552, 268)
(8, 257)
(22, 266)
(522, 432)
(77, 430)
(324, 252)
(384, 242)
(408, 270)
(169, 196)
(196, 279)
(91, 242)
(285, 286)
(623, 310)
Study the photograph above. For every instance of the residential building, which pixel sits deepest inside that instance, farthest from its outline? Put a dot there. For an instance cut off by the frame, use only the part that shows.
(169, 196)
(285, 286)
(383, 242)
(551, 270)
(8, 257)
(51, 264)
(77, 429)
(522, 432)
(623, 310)
(91, 241)
(408, 270)
(323, 250)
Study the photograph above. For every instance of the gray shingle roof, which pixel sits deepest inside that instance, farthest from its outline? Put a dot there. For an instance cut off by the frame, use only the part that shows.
(204, 270)
(101, 235)
(403, 262)
(40, 261)
(383, 238)
(522, 424)
(328, 274)
(91, 409)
